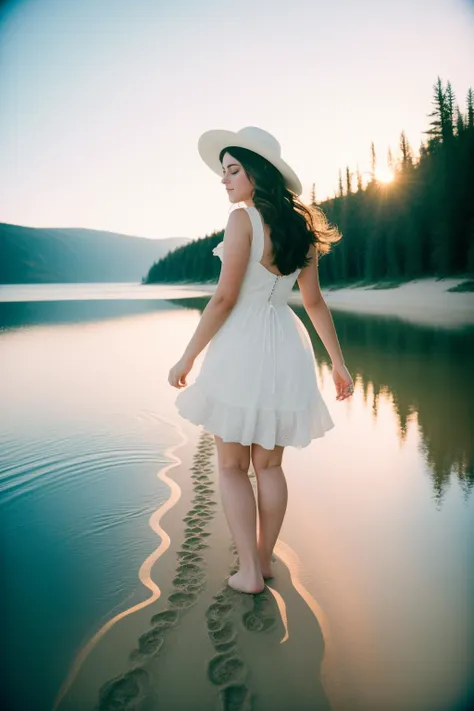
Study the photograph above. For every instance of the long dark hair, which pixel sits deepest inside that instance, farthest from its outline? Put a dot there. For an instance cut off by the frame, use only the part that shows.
(294, 226)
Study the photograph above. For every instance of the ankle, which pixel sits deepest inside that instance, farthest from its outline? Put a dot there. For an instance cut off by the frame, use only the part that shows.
(250, 568)
(265, 557)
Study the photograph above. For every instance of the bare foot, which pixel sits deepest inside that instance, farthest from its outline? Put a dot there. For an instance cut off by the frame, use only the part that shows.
(267, 572)
(266, 568)
(246, 584)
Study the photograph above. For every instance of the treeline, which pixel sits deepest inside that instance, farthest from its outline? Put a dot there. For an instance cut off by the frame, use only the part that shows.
(193, 263)
(413, 218)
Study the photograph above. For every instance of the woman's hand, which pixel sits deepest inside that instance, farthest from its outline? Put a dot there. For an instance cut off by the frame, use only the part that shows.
(178, 373)
(343, 382)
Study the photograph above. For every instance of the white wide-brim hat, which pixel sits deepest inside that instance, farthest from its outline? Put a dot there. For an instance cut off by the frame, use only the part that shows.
(255, 139)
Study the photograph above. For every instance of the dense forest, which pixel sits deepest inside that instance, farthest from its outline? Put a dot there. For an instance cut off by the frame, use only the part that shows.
(413, 218)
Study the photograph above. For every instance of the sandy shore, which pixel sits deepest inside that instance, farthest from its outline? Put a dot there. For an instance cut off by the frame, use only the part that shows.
(424, 301)
(196, 643)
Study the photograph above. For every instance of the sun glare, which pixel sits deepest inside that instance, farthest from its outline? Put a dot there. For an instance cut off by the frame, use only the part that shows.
(384, 175)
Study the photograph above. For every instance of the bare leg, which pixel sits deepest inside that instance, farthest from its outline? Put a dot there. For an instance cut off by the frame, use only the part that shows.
(240, 509)
(239, 505)
(272, 501)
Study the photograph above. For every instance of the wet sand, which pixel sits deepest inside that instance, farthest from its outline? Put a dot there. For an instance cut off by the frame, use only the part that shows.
(418, 301)
(194, 642)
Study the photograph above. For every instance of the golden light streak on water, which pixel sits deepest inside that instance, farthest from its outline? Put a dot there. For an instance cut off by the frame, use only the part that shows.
(282, 608)
(328, 663)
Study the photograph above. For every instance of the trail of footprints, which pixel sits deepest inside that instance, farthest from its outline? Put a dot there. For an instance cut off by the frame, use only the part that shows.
(133, 690)
(227, 669)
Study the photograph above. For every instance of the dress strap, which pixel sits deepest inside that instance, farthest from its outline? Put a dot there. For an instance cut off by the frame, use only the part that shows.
(256, 252)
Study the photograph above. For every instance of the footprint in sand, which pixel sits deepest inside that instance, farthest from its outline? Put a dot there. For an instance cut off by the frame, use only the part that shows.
(203, 489)
(167, 618)
(218, 609)
(214, 624)
(201, 509)
(189, 556)
(125, 691)
(262, 616)
(223, 634)
(226, 668)
(151, 642)
(223, 647)
(184, 585)
(191, 530)
(132, 689)
(202, 502)
(190, 570)
(236, 697)
(199, 534)
(193, 546)
(255, 623)
(182, 599)
(188, 574)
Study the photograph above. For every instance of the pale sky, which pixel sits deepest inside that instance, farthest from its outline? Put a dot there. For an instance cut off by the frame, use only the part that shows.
(102, 102)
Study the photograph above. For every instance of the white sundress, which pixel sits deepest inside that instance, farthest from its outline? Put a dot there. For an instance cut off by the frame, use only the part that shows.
(258, 381)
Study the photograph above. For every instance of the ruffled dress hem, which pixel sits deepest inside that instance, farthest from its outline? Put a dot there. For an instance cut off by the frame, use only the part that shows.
(247, 425)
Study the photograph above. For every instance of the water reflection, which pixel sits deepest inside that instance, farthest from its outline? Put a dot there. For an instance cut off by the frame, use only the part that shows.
(426, 372)
(86, 387)
(34, 313)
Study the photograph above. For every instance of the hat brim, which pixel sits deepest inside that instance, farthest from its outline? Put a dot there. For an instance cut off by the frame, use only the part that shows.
(211, 143)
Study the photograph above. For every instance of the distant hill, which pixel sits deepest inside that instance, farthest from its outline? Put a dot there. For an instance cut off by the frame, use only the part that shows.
(42, 255)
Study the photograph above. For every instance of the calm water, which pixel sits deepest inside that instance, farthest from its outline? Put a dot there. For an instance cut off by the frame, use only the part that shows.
(381, 510)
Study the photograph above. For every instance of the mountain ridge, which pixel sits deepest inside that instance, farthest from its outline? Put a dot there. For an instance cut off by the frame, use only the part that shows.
(38, 255)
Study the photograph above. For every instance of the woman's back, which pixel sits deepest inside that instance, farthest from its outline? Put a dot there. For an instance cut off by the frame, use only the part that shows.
(258, 382)
(261, 282)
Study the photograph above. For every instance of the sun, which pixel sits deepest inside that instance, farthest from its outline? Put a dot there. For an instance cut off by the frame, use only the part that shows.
(384, 175)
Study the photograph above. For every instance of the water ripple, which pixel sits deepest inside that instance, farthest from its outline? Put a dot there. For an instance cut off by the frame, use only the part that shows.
(37, 465)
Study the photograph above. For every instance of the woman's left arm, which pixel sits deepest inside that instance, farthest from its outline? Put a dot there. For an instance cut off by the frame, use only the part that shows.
(235, 258)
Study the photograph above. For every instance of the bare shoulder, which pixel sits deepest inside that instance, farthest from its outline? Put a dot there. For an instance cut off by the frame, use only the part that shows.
(308, 280)
(235, 258)
(239, 227)
(240, 218)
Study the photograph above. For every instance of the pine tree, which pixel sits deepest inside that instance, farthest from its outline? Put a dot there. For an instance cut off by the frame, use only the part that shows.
(450, 103)
(348, 181)
(373, 161)
(459, 121)
(442, 114)
(407, 155)
(470, 108)
(390, 159)
(423, 225)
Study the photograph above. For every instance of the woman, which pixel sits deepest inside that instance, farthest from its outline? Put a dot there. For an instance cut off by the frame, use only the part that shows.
(257, 390)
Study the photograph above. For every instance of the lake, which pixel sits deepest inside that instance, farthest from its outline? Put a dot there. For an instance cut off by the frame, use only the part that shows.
(380, 513)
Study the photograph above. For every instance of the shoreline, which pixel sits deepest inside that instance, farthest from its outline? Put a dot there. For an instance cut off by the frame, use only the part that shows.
(227, 643)
(422, 301)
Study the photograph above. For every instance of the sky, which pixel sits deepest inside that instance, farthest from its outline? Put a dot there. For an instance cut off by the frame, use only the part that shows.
(102, 102)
